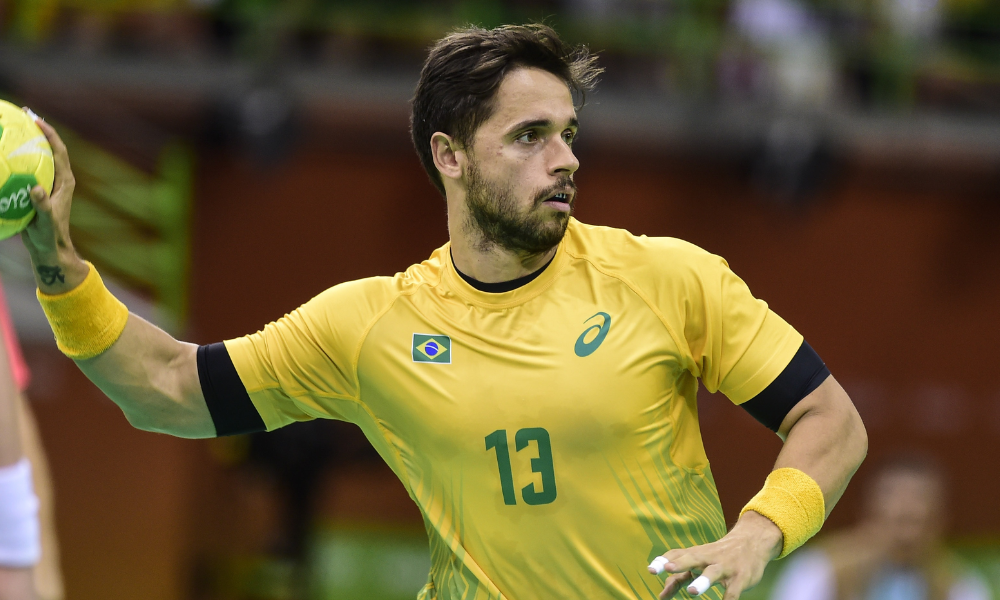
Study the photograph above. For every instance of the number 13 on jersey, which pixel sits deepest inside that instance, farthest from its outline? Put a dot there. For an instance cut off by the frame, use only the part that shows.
(541, 464)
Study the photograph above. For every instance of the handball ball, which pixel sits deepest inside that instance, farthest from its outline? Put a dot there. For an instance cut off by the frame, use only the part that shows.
(25, 161)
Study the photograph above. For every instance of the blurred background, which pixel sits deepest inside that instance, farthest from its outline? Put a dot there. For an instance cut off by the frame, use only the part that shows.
(236, 157)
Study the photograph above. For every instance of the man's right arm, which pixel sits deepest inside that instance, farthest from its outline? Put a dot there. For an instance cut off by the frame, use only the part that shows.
(151, 376)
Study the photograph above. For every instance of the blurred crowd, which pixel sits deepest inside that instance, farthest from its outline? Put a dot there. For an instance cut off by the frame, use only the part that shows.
(895, 54)
(896, 552)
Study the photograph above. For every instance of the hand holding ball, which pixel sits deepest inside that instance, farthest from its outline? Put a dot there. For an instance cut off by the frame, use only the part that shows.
(25, 161)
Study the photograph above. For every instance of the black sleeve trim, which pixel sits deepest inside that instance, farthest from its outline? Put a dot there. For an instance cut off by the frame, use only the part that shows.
(228, 401)
(803, 374)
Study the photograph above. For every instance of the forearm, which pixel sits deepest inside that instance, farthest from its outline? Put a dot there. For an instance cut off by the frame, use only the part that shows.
(10, 439)
(825, 439)
(16, 584)
(153, 378)
(10, 409)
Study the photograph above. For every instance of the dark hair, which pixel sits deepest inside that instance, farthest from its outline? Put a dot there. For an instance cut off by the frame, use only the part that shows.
(463, 72)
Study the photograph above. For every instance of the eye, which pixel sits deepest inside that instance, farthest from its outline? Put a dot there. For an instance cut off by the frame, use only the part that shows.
(569, 136)
(528, 137)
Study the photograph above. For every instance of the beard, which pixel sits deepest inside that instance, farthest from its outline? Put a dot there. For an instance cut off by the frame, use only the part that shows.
(495, 215)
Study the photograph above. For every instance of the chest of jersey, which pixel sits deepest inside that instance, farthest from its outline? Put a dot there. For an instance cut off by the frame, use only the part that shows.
(532, 420)
(588, 367)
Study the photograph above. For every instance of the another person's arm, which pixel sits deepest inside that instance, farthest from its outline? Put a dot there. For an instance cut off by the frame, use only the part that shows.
(149, 374)
(19, 534)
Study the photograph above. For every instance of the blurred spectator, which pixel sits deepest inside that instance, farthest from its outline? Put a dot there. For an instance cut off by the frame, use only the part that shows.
(910, 40)
(896, 553)
(913, 19)
(794, 42)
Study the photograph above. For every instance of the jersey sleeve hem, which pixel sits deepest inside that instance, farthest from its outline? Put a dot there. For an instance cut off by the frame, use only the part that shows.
(233, 413)
(241, 350)
(784, 349)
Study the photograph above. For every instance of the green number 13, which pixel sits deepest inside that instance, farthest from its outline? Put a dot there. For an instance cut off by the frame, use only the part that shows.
(542, 464)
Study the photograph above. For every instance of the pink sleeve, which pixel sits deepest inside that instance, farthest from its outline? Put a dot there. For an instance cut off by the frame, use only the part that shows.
(21, 373)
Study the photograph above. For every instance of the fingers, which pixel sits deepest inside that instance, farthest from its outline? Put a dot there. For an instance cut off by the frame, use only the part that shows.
(707, 579)
(700, 585)
(734, 588)
(699, 568)
(685, 560)
(656, 567)
(674, 583)
(60, 156)
(40, 199)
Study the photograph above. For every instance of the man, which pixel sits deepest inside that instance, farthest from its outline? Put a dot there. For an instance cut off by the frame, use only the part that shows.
(895, 553)
(533, 384)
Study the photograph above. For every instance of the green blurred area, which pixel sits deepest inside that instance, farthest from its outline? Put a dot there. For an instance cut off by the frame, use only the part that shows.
(980, 556)
(689, 41)
(136, 226)
(359, 563)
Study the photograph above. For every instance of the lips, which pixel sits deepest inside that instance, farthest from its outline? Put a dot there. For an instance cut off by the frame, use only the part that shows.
(561, 202)
(561, 196)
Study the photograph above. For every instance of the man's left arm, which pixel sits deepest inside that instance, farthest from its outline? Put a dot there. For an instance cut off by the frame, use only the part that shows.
(825, 439)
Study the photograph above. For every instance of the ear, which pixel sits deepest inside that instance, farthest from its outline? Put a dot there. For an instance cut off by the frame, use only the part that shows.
(448, 157)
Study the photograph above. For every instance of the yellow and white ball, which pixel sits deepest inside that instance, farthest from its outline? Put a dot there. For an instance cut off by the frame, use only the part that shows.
(25, 161)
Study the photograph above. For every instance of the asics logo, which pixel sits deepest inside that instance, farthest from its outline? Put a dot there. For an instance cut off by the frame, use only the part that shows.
(591, 338)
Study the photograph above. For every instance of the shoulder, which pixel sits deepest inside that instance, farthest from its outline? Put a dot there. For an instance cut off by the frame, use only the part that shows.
(649, 263)
(619, 250)
(362, 300)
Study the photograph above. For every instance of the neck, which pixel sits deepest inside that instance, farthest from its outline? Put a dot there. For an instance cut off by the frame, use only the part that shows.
(491, 264)
(484, 261)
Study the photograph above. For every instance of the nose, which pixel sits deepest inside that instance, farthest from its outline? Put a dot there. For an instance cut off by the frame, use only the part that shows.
(563, 161)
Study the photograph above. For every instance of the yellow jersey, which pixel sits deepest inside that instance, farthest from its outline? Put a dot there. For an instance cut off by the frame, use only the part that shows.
(549, 434)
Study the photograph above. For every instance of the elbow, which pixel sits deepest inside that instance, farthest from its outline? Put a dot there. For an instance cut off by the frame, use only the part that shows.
(152, 423)
(140, 421)
(858, 436)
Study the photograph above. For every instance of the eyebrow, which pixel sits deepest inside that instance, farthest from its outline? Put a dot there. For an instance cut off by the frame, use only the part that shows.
(542, 123)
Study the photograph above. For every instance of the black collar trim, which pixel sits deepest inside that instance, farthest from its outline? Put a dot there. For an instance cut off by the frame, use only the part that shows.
(502, 286)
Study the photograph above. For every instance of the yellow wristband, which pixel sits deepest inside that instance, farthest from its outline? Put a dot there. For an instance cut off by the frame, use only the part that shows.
(794, 502)
(87, 319)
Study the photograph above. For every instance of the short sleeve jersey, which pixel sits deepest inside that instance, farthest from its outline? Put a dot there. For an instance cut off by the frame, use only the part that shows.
(549, 435)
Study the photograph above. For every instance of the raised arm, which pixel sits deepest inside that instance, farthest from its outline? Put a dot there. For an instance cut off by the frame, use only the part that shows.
(151, 376)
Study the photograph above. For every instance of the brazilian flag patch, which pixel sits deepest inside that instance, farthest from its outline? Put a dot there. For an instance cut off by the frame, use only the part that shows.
(431, 348)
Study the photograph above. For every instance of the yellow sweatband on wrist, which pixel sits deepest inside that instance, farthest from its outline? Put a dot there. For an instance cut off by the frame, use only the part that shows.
(87, 319)
(794, 502)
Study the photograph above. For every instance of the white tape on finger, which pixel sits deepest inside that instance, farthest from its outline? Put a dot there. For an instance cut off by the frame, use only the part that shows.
(700, 586)
(656, 566)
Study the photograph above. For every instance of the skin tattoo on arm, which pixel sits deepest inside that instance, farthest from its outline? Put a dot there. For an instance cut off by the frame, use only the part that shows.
(49, 275)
